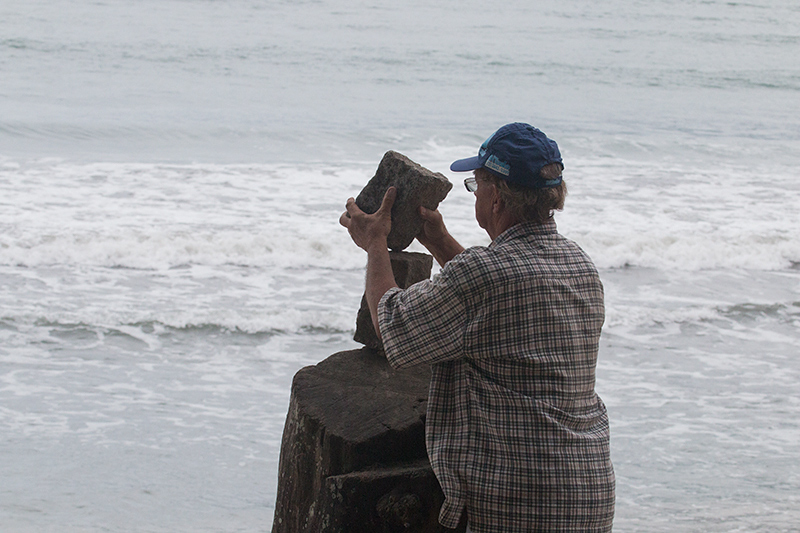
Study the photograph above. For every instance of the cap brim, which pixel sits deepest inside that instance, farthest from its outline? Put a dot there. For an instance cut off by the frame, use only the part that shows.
(463, 165)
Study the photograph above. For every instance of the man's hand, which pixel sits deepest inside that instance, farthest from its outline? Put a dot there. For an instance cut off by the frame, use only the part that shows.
(372, 230)
(433, 229)
(435, 237)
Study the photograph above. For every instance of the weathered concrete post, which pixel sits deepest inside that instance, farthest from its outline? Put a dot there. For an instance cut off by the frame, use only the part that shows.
(353, 455)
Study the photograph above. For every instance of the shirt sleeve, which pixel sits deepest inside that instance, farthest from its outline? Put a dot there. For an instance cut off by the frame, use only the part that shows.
(426, 322)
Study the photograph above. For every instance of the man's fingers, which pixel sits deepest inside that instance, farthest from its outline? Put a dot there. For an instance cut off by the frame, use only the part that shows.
(388, 200)
(346, 218)
(430, 215)
(352, 207)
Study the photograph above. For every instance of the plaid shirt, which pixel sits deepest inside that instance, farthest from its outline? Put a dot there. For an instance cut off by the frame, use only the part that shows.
(515, 431)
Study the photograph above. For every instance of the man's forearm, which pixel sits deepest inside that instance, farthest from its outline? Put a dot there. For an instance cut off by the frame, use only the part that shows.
(380, 279)
(445, 249)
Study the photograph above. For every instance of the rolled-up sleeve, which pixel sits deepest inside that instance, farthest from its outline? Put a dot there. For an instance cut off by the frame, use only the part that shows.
(426, 322)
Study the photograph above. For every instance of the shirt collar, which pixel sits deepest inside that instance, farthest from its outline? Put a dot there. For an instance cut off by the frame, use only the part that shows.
(526, 228)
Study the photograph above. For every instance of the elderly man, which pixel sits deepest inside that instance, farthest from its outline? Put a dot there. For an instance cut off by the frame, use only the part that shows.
(515, 432)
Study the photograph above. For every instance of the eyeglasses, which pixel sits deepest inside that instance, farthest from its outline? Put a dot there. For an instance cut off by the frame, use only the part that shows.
(471, 184)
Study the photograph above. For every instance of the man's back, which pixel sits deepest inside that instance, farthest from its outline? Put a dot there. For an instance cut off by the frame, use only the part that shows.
(516, 433)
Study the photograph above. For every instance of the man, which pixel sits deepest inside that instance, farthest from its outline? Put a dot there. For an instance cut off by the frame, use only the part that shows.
(515, 432)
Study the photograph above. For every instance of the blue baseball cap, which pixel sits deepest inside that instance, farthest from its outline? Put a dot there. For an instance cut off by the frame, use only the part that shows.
(516, 153)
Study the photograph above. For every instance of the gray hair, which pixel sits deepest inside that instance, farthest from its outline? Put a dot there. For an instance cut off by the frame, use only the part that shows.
(527, 204)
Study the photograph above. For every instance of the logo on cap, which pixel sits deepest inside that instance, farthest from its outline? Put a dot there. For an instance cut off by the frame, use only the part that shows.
(495, 164)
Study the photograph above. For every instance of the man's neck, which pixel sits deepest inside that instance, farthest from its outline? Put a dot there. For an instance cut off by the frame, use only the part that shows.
(500, 223)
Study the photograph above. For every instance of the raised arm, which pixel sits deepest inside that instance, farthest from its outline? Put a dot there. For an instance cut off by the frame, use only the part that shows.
(370, 232)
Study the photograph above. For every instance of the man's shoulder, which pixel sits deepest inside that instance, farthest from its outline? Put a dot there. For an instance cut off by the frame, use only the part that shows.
(469, 261)
(539, 252)
(535, 238)
(524, 249)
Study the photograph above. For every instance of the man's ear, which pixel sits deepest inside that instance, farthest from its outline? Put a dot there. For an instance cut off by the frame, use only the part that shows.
(497, 203)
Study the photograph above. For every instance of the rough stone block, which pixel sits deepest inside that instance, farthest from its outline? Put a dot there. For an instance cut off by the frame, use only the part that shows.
(416, 186)
(408, 268)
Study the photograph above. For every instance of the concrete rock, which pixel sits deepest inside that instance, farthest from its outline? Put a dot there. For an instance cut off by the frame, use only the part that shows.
(416, 186)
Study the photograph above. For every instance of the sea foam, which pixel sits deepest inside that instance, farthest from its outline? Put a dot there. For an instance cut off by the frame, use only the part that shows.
(150, 216)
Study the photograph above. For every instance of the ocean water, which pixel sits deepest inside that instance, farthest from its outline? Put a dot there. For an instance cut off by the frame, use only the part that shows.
(171, 176)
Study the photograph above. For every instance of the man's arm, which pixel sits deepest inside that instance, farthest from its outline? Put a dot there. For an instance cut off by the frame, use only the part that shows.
(370, 232)
(435, 237)
(380, 279)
